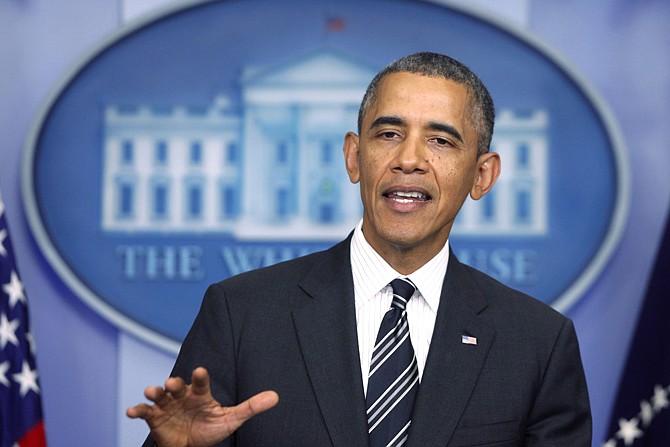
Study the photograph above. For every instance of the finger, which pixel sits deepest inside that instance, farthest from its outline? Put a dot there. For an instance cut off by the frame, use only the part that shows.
(139, 411)
(200, 381)
(176, 387)
(254, 405)
(263, 401)
(155, 394)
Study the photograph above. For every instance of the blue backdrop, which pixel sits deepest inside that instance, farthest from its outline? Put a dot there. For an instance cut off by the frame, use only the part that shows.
(88, 365)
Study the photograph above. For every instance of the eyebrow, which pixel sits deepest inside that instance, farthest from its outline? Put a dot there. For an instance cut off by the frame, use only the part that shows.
(433, 125)
(384, 120)
(446, 128)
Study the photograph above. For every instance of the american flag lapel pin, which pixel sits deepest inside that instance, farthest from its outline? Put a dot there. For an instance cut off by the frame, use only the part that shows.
(468, 340)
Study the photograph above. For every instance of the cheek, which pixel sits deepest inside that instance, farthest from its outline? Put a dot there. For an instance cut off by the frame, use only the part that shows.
(453, 180)
(370, 168)
(373, 160)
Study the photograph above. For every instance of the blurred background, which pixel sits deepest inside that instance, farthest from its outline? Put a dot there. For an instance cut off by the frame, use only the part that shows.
(90, 369)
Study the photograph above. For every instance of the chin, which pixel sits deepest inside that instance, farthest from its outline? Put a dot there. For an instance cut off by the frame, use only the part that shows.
(405, 241)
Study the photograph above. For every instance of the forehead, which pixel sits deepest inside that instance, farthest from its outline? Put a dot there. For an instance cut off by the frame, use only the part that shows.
(420, 96)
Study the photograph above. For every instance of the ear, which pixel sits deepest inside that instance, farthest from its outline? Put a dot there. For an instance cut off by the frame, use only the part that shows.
(488, 170)
(352, 156)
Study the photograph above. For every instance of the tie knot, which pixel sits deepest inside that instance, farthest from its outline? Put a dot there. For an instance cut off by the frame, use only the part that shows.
(403, 289)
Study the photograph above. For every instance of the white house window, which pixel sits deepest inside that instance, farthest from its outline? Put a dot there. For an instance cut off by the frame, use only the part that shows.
(125, 193)
(230, 204)
(232, 153)
(160, 199)
(161, 153)
(326, 153)
(523, 156)
(195, 153)
(194, 195)
(127, 153)
(282, 153)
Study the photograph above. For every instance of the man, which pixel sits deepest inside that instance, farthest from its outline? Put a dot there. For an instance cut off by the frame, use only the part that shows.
(495, 367)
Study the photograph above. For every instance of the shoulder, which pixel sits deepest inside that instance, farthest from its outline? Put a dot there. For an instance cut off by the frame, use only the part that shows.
(285, 277)
(527, 331)
(510, 307)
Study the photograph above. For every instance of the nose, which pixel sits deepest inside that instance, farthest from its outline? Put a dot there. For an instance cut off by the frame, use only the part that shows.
(411, 157)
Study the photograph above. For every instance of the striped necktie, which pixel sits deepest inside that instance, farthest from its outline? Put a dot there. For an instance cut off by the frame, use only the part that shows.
(394, 376)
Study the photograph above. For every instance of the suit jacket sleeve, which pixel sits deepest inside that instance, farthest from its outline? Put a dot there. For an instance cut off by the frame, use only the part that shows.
(208, 344)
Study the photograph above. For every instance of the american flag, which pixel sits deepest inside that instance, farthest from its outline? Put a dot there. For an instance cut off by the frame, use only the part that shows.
(468, 340)
(21, 421)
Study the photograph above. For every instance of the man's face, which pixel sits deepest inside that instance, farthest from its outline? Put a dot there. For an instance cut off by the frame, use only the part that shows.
(416, 161)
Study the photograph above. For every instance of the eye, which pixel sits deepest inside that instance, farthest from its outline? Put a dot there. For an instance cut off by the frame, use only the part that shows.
(389, 134)
(440, 141)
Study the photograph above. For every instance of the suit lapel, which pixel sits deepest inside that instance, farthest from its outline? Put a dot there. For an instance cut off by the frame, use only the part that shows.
(452, 367)
(326, 329)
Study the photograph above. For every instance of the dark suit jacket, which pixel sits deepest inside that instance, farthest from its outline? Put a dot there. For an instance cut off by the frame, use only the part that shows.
(292, 328)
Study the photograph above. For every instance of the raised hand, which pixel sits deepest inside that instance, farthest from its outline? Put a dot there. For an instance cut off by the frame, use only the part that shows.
(189, 416)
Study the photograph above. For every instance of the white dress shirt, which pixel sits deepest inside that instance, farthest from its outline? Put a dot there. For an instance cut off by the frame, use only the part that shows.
(373, 296)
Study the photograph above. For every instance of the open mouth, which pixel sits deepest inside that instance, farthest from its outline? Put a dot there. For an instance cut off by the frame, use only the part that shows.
(407, 196)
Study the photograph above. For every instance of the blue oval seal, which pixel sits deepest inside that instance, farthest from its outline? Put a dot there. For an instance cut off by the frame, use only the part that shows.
(206, 141)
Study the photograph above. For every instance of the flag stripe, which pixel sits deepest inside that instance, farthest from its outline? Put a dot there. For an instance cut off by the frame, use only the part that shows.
(21, 421)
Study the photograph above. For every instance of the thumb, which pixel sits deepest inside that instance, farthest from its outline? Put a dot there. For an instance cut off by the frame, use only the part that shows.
(254, 405)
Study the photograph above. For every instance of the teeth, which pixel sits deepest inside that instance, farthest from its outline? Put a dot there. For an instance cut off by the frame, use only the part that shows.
(413, 194)
(407, 196)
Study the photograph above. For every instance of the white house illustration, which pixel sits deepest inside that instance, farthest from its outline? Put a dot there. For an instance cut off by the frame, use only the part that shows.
(271, 166)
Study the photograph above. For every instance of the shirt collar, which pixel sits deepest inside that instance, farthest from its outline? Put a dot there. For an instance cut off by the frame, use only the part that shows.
(372, 273)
